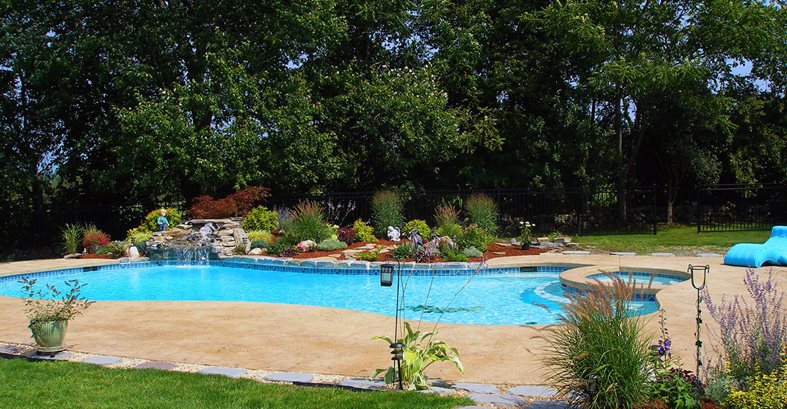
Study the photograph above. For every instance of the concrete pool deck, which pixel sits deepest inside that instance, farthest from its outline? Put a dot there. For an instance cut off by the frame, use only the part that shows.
(298, 338)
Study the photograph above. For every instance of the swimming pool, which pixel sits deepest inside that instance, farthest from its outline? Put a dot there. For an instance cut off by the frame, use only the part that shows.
(510, 296)
(640, 278)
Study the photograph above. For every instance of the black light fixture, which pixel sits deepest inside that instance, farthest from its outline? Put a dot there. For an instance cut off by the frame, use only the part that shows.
(386, 275)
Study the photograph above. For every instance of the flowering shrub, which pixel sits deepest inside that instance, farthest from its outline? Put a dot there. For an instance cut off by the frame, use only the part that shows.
(526, 236)
(235, 204)
(94, 239)
(346, 234)
(752, 334)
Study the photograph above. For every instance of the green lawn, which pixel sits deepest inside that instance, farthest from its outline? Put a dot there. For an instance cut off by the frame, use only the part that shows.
(26, 384)
(677, 239)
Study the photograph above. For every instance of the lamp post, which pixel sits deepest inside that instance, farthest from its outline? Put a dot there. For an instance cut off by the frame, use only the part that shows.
(694, 271)
(397, 348)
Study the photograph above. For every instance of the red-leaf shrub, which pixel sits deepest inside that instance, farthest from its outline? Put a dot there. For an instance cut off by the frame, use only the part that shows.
(94, 239)
(235, 204)
(346, 234)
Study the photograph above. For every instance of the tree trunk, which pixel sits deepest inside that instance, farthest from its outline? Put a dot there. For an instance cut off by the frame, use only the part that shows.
(622, 168)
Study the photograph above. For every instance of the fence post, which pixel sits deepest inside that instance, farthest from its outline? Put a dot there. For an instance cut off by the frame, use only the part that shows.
(655, 221)
(699, 209)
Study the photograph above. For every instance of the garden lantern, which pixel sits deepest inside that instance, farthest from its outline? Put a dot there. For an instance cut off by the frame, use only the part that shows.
(386, 275)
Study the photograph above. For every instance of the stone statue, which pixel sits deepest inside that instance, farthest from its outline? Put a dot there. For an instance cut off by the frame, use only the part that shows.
(416, 238)
(394, 233)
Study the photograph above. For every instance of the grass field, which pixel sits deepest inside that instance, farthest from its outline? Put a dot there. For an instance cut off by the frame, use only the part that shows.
(26, 384)
(675, 239)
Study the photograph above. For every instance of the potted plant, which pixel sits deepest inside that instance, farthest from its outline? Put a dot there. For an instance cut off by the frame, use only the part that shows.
(49, 311)
(527, 234)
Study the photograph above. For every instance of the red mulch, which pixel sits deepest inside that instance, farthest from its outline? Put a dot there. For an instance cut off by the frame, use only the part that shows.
(86, 256)
(507, 251)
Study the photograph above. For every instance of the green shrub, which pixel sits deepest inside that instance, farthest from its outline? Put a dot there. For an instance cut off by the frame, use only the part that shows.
(282, 248)
(403, 251)
(452, 230)
(260, 218)
(472, 252)
(453, 254)
(766, 391)
(420, 225)
(71, 237)
(138, 234)
(475, 236)
(420, 352)
(364, 232)
(115, 249)
(599, 357)
(370, 255)
(260, 235)
(445, 215)
(239, 250)
(259, 244)
(174, 217)
(331, 244)
(387, 210)
(308, 223)
(482, 211)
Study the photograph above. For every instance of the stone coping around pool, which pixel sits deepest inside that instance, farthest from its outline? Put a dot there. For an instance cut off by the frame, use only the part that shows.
(301, 266)
(304, 379)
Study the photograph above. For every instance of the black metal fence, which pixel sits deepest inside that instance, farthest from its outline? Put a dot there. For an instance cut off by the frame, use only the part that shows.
(570, 211)
(740, 207)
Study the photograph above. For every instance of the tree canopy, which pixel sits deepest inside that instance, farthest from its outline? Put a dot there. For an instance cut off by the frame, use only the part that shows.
(150, 101)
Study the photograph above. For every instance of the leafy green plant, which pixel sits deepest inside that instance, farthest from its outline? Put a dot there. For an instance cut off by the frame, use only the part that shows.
(554, 235)
(472, 252)
(282, 249)
(71, 236)
(452, 230)
(444, 215)
(260, 235)
(475, 236)
(526, 233)
(420, 225)
(308, 223)
(174, 217)
(138, 234)
(331, 244)
(453, 254)
(364, 232)
(50, 304)
(599, 357)
(115, 249)
(260, 218)
(387, 210)
(370, 255)
(482, 211)
(259, 244)
(403, 251)
(239, 250)
(420, 352)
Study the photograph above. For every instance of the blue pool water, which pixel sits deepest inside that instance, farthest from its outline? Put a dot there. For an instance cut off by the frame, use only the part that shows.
(515, 298)
(640, 278)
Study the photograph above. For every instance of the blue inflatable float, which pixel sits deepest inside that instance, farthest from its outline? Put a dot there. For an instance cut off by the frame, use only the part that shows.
(773, 251)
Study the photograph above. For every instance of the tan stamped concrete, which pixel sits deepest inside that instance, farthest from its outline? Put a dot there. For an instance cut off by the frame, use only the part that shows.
(334, 341)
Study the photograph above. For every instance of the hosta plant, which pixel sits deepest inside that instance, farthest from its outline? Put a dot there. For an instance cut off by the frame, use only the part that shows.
(421, 350)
